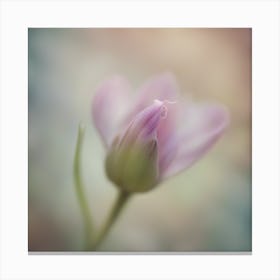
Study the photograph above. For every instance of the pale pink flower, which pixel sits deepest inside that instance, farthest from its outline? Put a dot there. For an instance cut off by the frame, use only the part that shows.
(155, 134)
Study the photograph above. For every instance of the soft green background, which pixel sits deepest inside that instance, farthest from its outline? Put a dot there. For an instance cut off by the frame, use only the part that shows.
(206, 208)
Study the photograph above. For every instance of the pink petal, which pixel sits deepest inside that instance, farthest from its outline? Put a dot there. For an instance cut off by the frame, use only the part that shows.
(168, 137)
(161, 87)
(110, 104)
(144, 125)
(202, 126)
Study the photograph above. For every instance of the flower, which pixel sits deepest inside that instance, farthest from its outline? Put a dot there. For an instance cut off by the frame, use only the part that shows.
(154, 135)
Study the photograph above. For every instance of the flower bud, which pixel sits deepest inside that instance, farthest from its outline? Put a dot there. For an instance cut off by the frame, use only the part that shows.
(132, 161)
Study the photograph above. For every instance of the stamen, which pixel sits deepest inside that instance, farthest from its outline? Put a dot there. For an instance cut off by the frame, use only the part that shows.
(164, 109)
(169, 102)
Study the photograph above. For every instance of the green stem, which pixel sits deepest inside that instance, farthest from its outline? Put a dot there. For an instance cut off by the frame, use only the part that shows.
(85, 210)
(120, 202)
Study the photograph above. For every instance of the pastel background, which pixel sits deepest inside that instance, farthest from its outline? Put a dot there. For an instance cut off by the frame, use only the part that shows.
(206, 208)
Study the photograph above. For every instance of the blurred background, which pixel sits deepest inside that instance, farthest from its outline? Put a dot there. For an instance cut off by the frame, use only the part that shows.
(207, 208)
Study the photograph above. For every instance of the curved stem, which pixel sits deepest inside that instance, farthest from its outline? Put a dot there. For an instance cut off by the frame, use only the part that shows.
(85, 210)
(120, 202)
